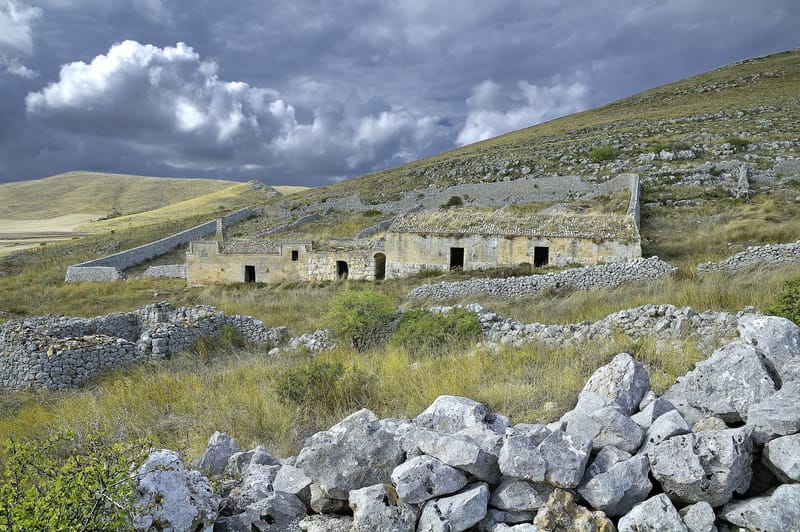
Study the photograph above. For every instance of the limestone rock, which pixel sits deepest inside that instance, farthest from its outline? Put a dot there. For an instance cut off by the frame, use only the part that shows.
(327, 523)
(277, 512)
(496, 517)
(461, 452)
(257, 483)
(449, 414)
(615, 486)
(623, 381)
(354, 453)
(732, 379)
(522, 527)
(699, 517)
(379, 508)
(709, 423)
(782, 456)
(777, 338)
(294, 480)
(561, 512)
(778, 511)
(665, 427)
(215, 458)
(322, 503)
(656, 514)
(424, 477)
(169, 496)
(604, 427)
(516, 495)
(533, 452)
(777, 415)
(457, 512)
(652, 411)
(708, 466)
(237, 463)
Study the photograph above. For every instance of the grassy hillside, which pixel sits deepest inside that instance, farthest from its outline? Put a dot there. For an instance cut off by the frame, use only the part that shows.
(744, 114)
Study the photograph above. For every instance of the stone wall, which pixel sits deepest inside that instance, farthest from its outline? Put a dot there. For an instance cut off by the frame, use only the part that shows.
(323, 265)
(776, 254)
(56, 352)
(586, 278)
(110, 267)
(167, 271)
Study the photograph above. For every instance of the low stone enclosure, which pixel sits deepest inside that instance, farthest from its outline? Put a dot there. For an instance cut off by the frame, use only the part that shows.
(56, 352)
(719, 450)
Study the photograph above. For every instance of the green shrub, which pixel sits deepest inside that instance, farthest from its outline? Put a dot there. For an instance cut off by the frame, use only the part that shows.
(738, 143)
(369, 213)
(360, 317)
(69, 483)
(424, 330)
(787, 302)
(328, 386)
(603, 153)
(454, 201)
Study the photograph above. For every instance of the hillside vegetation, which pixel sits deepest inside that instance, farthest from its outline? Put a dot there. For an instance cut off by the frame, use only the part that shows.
(744, 115)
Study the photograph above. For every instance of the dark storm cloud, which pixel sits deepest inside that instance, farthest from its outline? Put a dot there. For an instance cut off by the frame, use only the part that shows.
(312, 91)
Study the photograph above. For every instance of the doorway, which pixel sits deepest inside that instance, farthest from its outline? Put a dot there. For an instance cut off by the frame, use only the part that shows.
(456, 258)
(380, 266)
(249, 274)
(342, 270)
(541, 256)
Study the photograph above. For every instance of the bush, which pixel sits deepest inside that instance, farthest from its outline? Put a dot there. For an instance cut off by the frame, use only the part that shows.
(424, 330)
(454, 201)
(327, 386)
(787, 302)
(738, 144)
(369, 213)
(69, 483)
(360, 317)
(603, 153)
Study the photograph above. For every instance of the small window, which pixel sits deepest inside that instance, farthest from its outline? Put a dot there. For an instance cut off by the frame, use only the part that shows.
(295, 255)
(249, 274)
(541, 256)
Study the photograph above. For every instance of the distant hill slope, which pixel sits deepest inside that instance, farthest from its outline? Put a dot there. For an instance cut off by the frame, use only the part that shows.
(98, 193)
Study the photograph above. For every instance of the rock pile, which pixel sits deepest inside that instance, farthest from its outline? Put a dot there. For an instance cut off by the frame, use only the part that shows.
(586, 278)
(777, 254)
(717, 451)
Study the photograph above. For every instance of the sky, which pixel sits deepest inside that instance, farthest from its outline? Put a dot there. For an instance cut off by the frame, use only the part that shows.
(309, 92)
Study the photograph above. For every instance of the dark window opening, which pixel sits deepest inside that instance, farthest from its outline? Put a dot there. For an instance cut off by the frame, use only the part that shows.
(541, 256)
(295, 255)
(380, 266)
(456, 258)
(341, 269)
(249, 274)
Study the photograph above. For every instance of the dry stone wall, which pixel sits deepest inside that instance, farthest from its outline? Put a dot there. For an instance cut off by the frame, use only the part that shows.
(604, 275)
(55, 352)
(109, 268)
(776, 254)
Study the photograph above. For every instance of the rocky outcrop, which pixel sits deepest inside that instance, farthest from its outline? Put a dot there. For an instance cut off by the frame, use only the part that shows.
(458, 466)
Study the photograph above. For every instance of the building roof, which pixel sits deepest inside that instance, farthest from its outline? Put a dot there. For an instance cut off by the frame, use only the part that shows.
(474, 222)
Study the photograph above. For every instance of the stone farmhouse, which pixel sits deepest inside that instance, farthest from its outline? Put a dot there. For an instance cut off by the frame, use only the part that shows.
(464, 238)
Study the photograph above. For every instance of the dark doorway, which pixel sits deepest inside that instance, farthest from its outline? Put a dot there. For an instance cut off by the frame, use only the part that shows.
(541, 256)
(295, 255)
(249, 274)
(456, 258)
(341, 269)
(380, 266)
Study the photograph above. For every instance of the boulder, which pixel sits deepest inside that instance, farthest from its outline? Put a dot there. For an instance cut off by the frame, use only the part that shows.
(425, 477)
(461, 452)
(778, 339)
(676, 394)
(778, 511)
(561, 512)
(237, 463)
(457, 512)
(533, 452)
(355, 453)
(449, 414)
(656, 514)
(515, 495)
(169, 496)
(665, 427)
(215, 458)
(322, 503)
(708, 466)
(607, 426)
(777, 415)
(782, 456)
(277, 512)
(327, 523)
(257, 483)
(623, 381)
(699, 517)
(379, 508)
(615, 485)
(294, 480)
(732, 379)
(652, 411)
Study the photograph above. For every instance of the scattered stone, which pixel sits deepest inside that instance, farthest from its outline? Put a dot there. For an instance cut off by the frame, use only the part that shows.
(461, 452)
(516, 495)
(778, 339)
(379, 508)
(778, 511)
(607, 426)
(457, 512)
(424, 477)
(656, 514)
(215, 458)
(294, 480)
(614, 484)
(699, 517)
(277, 512)
(622, 381)
(782, 456)
(665, 427)
(450, 414)
(777, 415)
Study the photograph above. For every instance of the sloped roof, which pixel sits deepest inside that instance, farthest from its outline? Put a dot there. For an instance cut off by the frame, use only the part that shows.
(473, 222)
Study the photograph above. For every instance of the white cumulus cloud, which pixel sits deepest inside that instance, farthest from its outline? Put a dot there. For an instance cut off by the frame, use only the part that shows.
(493, 111)
(16, 36)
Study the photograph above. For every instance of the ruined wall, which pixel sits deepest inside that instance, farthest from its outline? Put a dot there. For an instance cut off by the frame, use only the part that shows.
(322, 265)
(410, 253)
(207, 263)
(775, 254)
